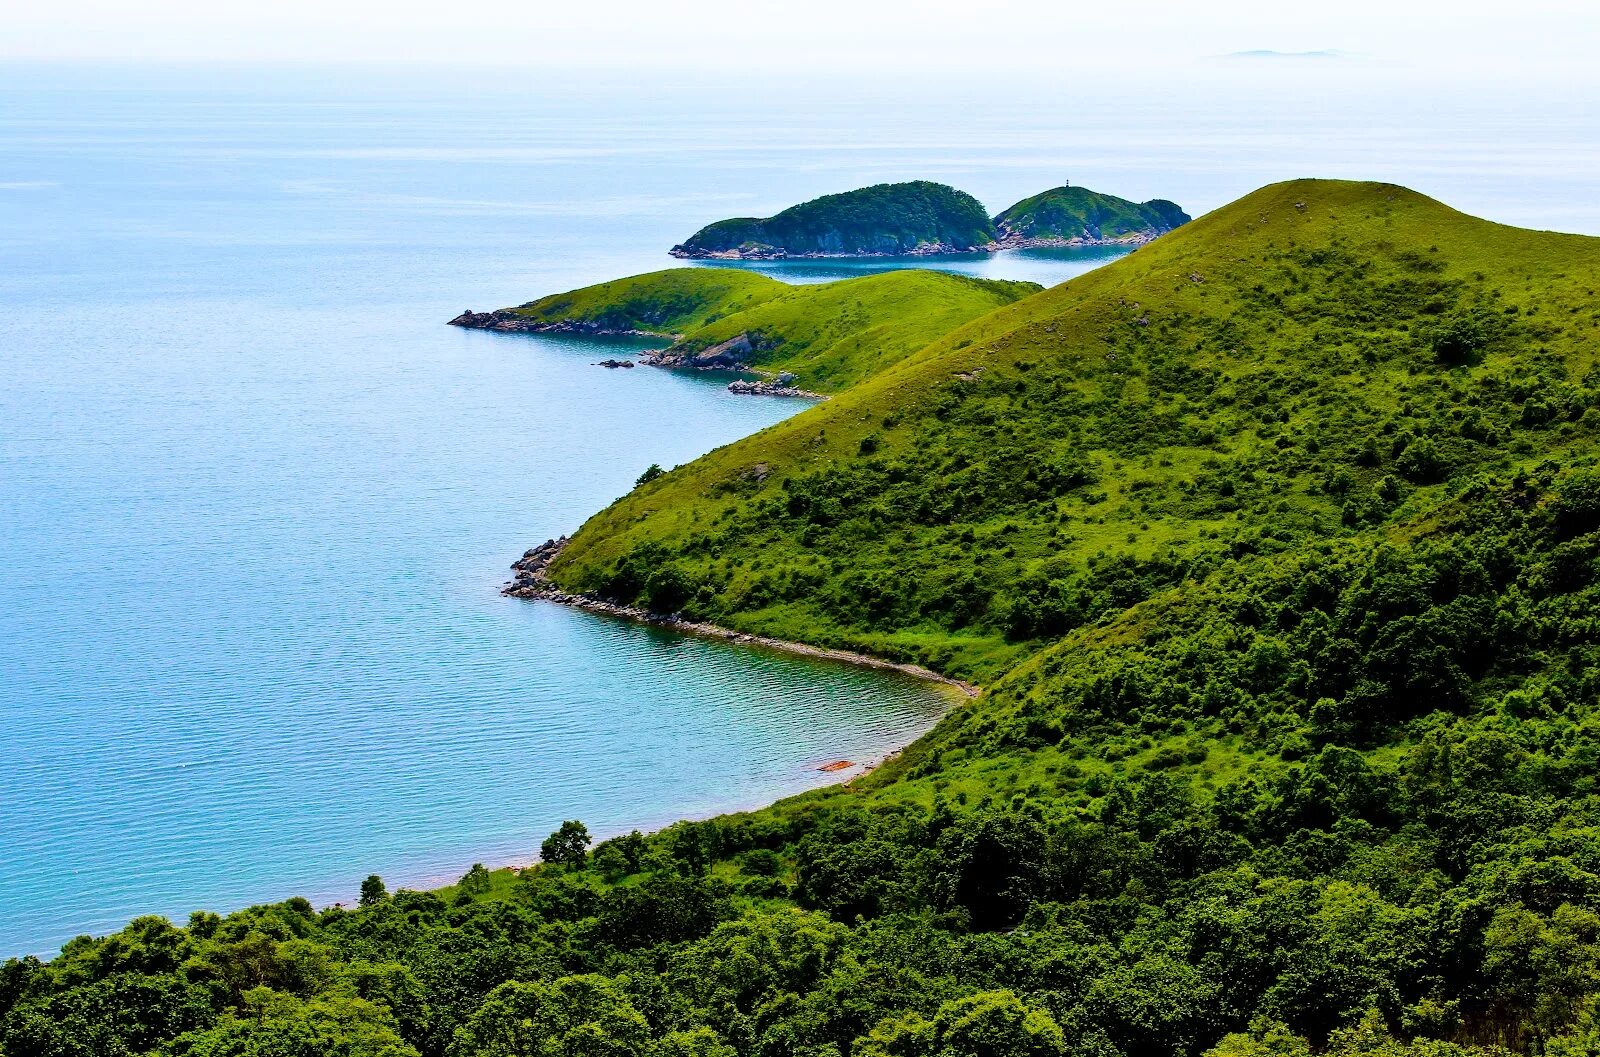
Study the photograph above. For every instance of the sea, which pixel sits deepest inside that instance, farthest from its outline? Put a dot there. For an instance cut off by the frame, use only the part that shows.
(257, 499)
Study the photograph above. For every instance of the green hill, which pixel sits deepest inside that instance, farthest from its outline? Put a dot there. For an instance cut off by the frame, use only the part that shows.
(884, 219)
(1066, 216)
(665, 303)
(1277, 545)
(830, 335)
(1261, 370)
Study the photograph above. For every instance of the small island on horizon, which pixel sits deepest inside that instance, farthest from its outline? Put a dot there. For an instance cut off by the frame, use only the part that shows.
(924, 218)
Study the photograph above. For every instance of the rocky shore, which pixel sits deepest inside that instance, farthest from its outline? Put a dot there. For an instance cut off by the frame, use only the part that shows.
(508, 321)
(729, 355)
(930, 250)
(1006, 241)
(1018, 242)
(772, 253)
(530, 582)
(783, 385)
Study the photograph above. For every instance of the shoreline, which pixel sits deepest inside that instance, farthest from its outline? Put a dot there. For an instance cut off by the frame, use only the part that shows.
(530, 583)
(505, 321)
(1004, 244)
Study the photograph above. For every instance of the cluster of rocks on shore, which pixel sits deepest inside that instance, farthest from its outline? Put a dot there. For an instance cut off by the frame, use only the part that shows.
(510, 322)
(777, 253)
(730, 355)
(528, 580)
(783, 385)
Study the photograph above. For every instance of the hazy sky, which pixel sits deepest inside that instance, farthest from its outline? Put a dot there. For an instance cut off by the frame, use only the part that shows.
(751, 37)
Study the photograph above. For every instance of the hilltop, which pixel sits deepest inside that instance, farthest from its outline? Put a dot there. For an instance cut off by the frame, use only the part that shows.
(1077, 216)
(919, 217)
(1276, 544)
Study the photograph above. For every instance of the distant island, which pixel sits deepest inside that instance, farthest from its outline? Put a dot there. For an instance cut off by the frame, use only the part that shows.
(1077, 216)
(884, 220)
(923, 218)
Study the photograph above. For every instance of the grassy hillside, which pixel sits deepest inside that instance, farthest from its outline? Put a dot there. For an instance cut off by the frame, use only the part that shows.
(1278, 547)
(667, 302)
(881, 219)
(1308, 363)
(1067, 214)
(832, 335)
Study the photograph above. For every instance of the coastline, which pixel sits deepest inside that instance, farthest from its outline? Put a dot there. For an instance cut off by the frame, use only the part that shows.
(1005, 243)
(530, 583)
(507, 321)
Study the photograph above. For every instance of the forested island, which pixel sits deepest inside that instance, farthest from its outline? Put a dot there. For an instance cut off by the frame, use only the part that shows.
(1276, 548)
(922, 218)
(1077, 216)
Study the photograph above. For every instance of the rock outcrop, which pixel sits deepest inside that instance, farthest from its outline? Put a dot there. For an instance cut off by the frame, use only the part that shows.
(729, 355)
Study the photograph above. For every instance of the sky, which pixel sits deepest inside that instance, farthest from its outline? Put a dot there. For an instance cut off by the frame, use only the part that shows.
(753, 38)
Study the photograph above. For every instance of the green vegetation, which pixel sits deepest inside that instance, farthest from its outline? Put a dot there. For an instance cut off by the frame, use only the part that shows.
(667, 302)
(924, 217)
(1277, 545)
(1069, 214)
(1312, 362)
(919, 216)
(831, 335)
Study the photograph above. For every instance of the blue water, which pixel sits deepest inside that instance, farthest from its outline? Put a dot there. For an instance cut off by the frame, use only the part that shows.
(256, 499)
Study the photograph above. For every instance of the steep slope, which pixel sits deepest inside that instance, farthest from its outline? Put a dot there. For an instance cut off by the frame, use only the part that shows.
(1303, 364)
(1077, 216)
(664, 303)
(884, 219)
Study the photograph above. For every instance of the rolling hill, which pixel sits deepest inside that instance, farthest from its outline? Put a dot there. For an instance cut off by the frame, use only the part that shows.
(1277, 547)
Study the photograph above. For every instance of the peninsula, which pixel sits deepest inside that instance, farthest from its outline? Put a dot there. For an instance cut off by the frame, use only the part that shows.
(819, 336)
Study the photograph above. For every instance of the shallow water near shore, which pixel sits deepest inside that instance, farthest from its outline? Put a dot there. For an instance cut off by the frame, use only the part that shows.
(256, 498)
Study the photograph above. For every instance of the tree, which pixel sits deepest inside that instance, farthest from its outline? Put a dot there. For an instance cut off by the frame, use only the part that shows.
(278, 1025)
(1460, 338)
(575, 1015)
(373, 891)
(650, 474)
(567, 846)
(474, 883)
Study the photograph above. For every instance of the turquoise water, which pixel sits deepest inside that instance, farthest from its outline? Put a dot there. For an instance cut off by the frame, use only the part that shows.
(256, 499)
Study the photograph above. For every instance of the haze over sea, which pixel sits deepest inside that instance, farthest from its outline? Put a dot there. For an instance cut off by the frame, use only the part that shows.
(256, 499)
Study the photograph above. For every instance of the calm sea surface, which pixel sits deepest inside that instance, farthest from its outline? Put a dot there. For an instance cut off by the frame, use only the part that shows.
(256, 499)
